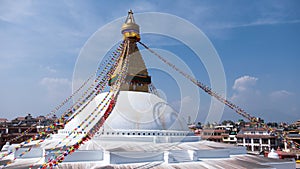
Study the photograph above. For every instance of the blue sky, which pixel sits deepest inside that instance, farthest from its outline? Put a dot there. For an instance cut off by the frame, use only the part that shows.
(257, 41)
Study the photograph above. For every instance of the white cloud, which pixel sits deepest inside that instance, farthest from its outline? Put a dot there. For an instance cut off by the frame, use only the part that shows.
(244, 83)
(245, 92)
(143, 6)
(280, 94)
(271, 106)
(51, 70)
(57, 88)
(11, 11)
(48, 69)
(55, 82)
(258, 22)
(247, 96)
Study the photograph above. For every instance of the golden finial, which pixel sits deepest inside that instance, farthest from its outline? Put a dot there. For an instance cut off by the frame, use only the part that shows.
(130, 29)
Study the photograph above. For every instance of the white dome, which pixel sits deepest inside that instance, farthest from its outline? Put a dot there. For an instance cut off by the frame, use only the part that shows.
(144, 111)
(135, 111)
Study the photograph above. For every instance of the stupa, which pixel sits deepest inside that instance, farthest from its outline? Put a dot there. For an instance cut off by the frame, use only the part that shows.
(142, 131)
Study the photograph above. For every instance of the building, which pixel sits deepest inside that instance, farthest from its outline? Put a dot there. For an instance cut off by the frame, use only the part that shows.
(297, 124)
(230, 133)
(215, 135)
(13, 131)
(257, 139)
(3, 120)
(218, 133)
(292, 141)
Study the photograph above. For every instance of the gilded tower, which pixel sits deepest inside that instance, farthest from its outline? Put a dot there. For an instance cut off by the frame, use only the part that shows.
(137, 78)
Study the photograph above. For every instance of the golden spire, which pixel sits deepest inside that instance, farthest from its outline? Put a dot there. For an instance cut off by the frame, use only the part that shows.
(130, 29)
(137, 78)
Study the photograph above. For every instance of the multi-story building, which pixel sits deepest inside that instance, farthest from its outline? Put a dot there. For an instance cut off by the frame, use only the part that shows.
(13, 131)
(211, 134)
(230, 137)
(219, 133)
(3, 120)
(292, 139)
(257, 139)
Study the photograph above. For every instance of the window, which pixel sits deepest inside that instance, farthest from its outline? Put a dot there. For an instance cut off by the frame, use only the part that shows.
(240, 140)
(249, 148)
(265, 141)
(272, 141)
(255, 140)
(248, 140)
(231, 138)
(256, 148)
